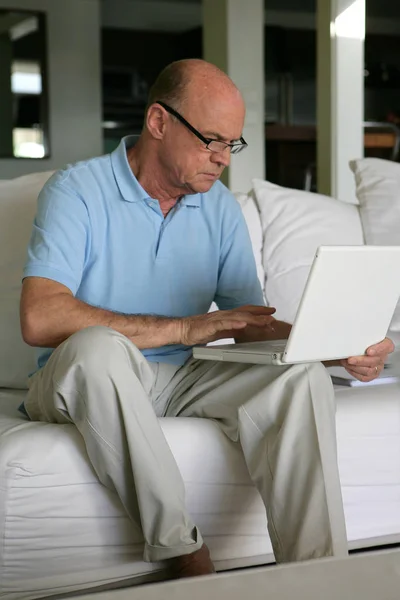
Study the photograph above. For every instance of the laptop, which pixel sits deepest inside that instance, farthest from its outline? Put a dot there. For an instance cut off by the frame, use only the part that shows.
(347, 305)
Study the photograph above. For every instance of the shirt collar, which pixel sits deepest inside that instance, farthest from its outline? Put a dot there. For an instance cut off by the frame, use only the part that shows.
(128, 185)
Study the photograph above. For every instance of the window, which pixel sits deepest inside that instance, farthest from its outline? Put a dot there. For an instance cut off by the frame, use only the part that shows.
(23, 93)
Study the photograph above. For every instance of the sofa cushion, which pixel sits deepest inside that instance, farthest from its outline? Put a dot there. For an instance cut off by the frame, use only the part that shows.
(294, 224)
(378, 192)
(252, 218)
(17, 209)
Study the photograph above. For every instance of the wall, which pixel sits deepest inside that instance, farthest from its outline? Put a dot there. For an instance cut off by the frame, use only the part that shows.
(73, 51)
(228, 27)
(175, 15)
(150, 15)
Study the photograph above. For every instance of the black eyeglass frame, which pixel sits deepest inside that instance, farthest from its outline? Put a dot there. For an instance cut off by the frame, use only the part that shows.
(234, 148)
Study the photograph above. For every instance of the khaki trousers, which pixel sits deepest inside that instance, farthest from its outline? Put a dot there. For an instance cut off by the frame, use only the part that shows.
(283, 418)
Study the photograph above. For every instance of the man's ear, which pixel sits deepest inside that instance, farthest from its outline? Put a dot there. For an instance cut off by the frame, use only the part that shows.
(155, 121)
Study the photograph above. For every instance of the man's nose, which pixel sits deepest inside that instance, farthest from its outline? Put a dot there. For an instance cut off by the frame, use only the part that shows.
(222, 158)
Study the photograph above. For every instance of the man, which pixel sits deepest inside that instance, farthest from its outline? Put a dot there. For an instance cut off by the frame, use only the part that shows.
(127, 253)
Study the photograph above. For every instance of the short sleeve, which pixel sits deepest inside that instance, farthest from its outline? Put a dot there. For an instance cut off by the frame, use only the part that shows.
(60, 238)
(238, 283)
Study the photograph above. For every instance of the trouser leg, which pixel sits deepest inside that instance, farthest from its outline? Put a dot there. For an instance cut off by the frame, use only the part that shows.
(98, 380)
(284, 419)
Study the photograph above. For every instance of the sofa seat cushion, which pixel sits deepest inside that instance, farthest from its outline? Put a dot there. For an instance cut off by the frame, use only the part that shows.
(61, 530)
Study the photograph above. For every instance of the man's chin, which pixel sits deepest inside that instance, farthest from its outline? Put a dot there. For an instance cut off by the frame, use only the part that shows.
(201, 187)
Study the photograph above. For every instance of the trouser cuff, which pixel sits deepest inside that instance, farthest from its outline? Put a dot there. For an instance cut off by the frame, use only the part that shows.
(158, 553)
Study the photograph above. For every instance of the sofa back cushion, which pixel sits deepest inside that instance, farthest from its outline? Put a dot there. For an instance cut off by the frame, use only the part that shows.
(294, 224)
(253, 220)
(378, 192)
(17, 209)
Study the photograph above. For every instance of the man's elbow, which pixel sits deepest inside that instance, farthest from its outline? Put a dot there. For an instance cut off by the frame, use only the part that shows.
(28, 332)
(41, 304)
(32, 328)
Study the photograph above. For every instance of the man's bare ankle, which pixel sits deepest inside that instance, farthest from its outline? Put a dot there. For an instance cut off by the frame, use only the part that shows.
(193, 565)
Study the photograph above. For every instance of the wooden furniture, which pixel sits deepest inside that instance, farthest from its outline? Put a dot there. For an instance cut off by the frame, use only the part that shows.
(291, 150)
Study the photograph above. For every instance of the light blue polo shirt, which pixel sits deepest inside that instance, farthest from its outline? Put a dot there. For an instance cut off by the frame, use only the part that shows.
(99, 233)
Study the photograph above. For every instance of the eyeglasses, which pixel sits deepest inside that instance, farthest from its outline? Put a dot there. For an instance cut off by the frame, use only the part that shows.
(212, 145)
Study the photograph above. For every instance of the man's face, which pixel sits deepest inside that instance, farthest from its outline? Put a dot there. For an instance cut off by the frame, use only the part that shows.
(189, 164)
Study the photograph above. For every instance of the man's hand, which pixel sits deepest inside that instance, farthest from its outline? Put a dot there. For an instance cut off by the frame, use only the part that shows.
(367, 368)
(221, 324)
(277, 330)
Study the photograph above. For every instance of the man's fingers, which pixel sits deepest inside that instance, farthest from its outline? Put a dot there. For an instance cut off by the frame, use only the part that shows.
(218, 324)
(375, 356)
(383, 348)
(222, 324)
(364, 361)
(367, 371)
(364, 373)
(360, 377)
(248, 318)
(257, 310)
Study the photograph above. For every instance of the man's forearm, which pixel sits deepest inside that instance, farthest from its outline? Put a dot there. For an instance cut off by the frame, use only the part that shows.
(59, 316)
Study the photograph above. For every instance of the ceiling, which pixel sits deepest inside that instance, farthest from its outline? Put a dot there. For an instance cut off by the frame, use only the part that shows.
(181, 15)
(375, 8)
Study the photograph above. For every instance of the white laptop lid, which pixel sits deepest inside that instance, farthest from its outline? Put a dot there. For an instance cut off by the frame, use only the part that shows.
(347, 304)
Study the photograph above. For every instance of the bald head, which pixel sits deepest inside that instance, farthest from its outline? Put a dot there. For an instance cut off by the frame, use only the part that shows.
(191, 104)
(188, 80)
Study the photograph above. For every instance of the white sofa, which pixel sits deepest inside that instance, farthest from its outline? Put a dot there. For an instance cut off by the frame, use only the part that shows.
(62, 531)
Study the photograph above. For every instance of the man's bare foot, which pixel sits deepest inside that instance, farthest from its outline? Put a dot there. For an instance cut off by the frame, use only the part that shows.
(192, 565)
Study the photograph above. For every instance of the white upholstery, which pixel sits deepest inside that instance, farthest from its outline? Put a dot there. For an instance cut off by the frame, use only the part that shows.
(17, 210)
(61, 531)
(252, 217)
(378, 192)
(294, 224)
